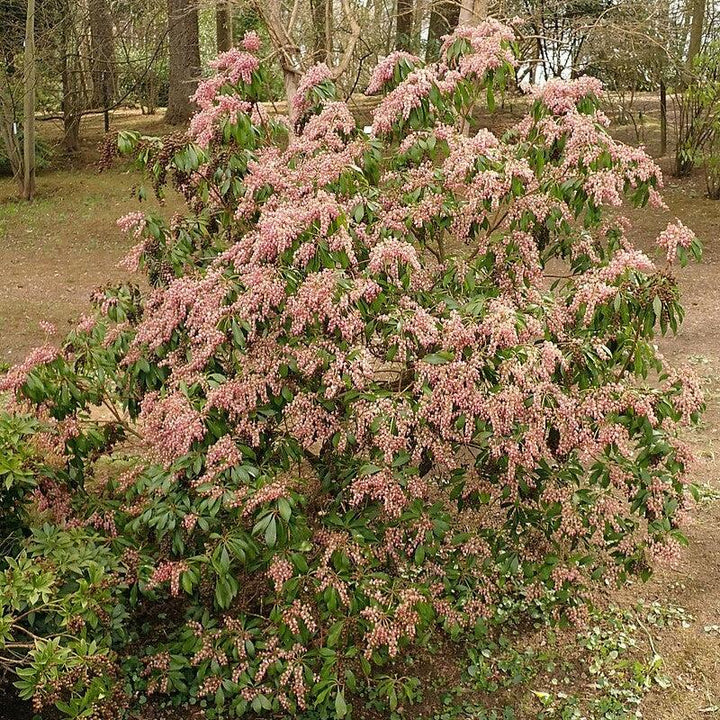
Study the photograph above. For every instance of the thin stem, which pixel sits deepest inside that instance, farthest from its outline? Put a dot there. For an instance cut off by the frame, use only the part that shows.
(631, 355)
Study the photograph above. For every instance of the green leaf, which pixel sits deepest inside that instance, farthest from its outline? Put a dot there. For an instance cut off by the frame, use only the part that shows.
(284, 509)
(657, 307)
(490, 98)
(334, 633)
(271, 533)
(439, 358)
(340, 704)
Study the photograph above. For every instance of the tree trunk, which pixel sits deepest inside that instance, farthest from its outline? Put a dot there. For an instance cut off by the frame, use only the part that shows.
(223, 21)
(271, 12)
(404, 24)
(329, 30)
(183, 38)
(663, 119)
(472, 11)
(320, 30)
(696, 30)
(102, 54)
(70, 108)
(29, 105)
(288, 51)
(444, 17)
(71, 97)
(13, 146)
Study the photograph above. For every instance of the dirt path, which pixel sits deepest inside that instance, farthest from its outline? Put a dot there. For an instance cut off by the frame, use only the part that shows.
(692, 655)
(56, 250)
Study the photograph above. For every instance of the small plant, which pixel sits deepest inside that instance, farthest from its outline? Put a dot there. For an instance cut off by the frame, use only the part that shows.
(620, 677)
(663, 616)
(394, 694)
(602, 672)
(698, 123)
(711, 157)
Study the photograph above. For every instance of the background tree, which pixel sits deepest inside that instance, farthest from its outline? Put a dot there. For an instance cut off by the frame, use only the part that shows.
(142, 43)
(285, 29)
(29, 105)
(404, 24)
(184, 44)
(102, 54)
(472, 11)
(21, 83)
(697, 14)
(11, 103)
(224, 25)
(73, 77)
(321, 12)
(444, 15)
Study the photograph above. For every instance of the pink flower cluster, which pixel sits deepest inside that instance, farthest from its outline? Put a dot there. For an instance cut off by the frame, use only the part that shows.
(216, 104)
(562, 96)
(688, 395)
(204, 124)
(280, 571)
(315, 76)
(251, 41)
(401, 101)
(489, 32)
(168, 570)
(387, 255)
(605, 188)
(489, 48)
(170, 425)
(385, 69)
(236, 65)
(133, 222)
(15, 378)
(388, 630)
(674, 236)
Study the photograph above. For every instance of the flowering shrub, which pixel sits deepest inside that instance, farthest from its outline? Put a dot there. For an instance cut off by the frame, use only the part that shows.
(381, 384)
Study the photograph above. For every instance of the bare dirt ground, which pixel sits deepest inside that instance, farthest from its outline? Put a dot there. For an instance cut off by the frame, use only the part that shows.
(55, 251)
(692, 655)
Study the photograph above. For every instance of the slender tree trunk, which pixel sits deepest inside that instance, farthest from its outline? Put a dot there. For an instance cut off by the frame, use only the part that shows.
(271, 12)
(223, 22)
(29, 105)
(329, 30)
(380, 22)
(13, 147)
(70, 107)
(69, 73)
(444, 17)
(320, 34)
(422, 11)
(696, 30)
(404, 24)
(472, 11)
(288, 50)
(183, 38)
(102, 54)
(663, 119)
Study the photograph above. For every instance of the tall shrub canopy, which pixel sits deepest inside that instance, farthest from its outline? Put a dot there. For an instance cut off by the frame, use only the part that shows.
(378, 384)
